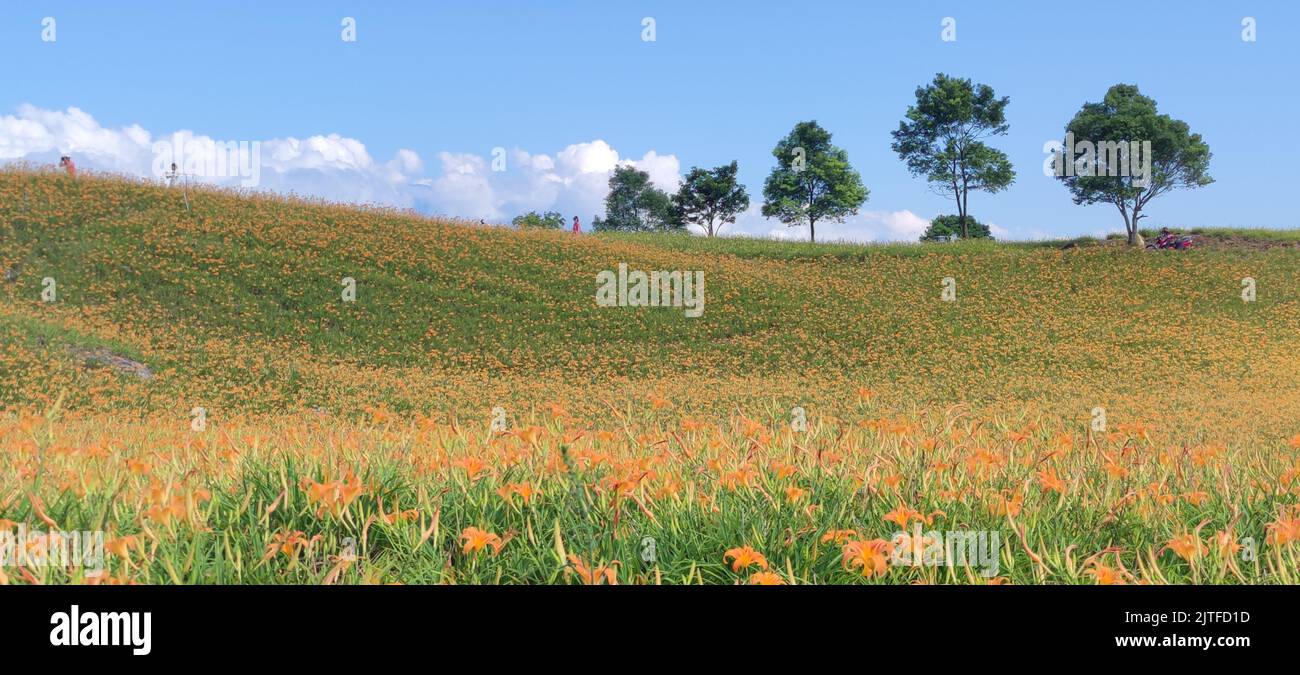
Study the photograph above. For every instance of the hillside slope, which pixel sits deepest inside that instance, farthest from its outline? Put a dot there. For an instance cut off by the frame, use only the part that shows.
(827, 400)
(236, 303)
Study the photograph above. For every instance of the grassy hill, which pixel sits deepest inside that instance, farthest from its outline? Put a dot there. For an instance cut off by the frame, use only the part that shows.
(348, 442)
(236, 302)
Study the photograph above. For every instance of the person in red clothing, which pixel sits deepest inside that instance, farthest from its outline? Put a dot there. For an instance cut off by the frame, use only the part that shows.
(66, 162)
(577, 227)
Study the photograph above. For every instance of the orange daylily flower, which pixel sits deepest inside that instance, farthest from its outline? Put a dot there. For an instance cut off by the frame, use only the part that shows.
(1226, 544)
(1283, 531)
(871, 556)
(1187, 546)
(121, 546)
(1004, 505)
(289, 543)
(524, 490)
(838, 536)
(474, 540)
(1050, 481)
(602, 575)
(743, 557)
(530, 435)
(1104, 575)
(474, 467)
(901, 515)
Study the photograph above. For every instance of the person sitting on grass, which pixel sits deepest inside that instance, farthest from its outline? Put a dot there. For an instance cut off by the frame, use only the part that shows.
(1168, 239)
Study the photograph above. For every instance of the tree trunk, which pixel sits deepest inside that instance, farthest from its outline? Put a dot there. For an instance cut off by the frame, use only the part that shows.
(1130, 224)
(1131, 228)
(812, 230)
(965, 231)
(1135, 239)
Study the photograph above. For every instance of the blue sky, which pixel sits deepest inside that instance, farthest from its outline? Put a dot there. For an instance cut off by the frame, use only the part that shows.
(410, 113)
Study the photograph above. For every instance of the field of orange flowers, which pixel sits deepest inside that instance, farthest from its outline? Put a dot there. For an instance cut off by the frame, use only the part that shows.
(1092, 414)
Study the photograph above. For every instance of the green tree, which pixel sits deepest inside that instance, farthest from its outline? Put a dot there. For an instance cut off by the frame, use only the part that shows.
(550, 220)
(635, 205)
(1126, 120)
(710, 198)
(942, 140)
(944, 227)
(812, 180)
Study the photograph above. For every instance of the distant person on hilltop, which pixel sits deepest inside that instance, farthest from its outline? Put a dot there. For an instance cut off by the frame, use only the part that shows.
(1169, 240)
(66, 162)
(172, 175)
(577, 227)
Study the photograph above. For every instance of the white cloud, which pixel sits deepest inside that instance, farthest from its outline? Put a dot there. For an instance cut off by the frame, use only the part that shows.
(866, 226)
(593, 157)
(330, 166)
(573, 180)
(665, 171)
(36, 133)
(333, 153)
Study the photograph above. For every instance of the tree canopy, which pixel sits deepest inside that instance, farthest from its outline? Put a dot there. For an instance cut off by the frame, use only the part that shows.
(943, 227)
(710, 198)
(942, 139)
(1128, 121)
(551, 220)
(812, 181)
(634, 204)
